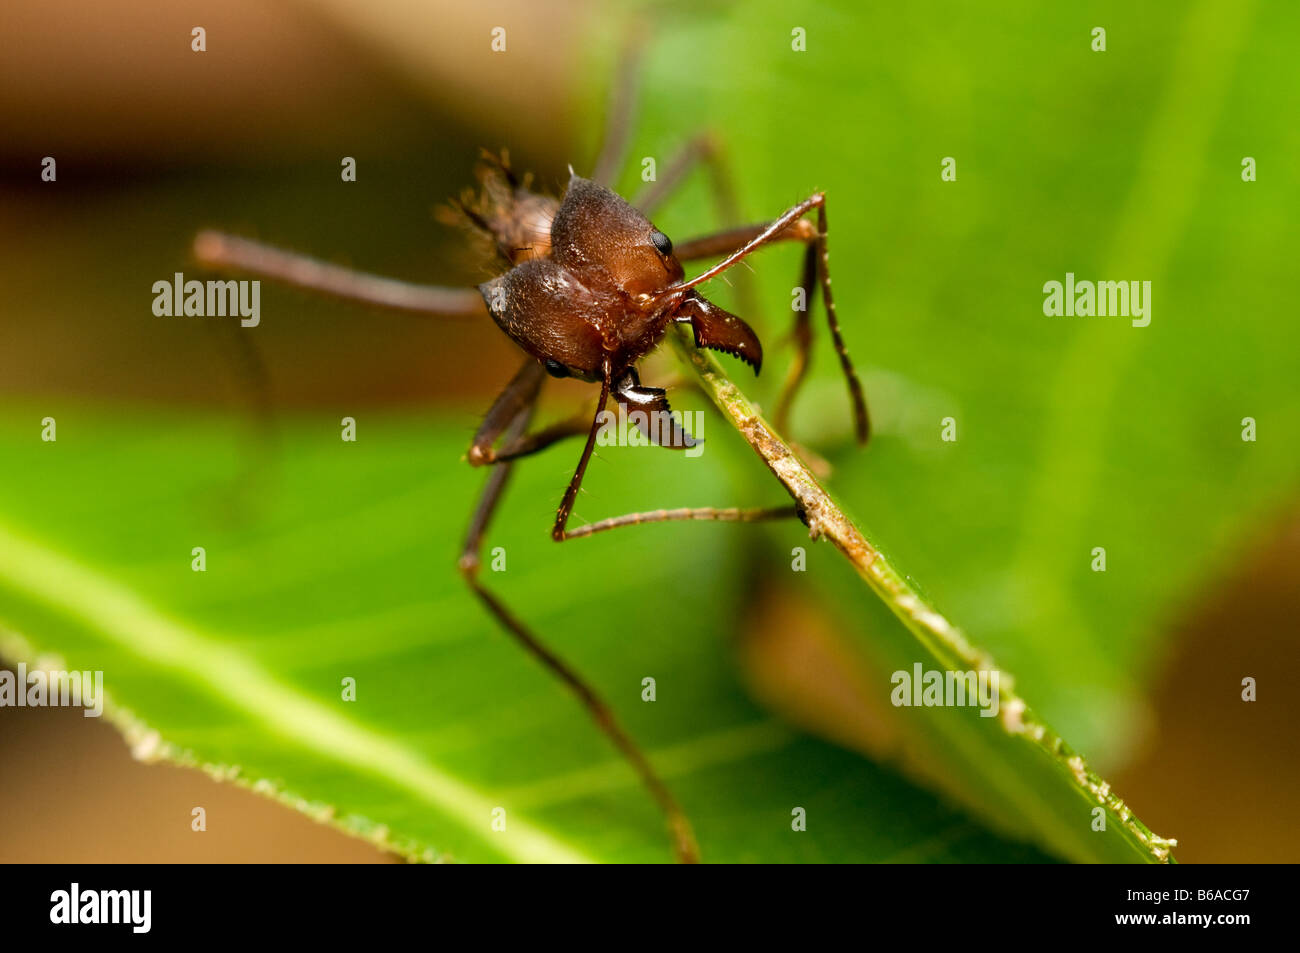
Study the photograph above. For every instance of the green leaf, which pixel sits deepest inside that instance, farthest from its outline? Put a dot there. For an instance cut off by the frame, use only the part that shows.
(342, 565)
(1073, 433)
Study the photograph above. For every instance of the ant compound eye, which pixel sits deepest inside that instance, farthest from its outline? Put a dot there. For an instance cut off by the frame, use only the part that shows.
(555, 368)
(662, 242)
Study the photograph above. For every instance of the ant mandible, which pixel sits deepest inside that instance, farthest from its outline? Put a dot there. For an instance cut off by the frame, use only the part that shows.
(591, 289)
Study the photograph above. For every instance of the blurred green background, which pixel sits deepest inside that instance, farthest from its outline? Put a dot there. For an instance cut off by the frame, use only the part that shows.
(1073, 433)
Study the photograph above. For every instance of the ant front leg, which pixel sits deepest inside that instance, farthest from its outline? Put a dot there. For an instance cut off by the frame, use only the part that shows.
(666, 432)
(726, 242)
(789, 226)
(801, 335)
(518, 402)
(575, 484)
(704, 149)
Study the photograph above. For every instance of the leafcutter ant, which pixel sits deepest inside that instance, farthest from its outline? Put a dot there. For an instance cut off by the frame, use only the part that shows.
(589, 288)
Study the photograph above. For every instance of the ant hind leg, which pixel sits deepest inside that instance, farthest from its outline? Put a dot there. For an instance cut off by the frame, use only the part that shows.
(224, 252)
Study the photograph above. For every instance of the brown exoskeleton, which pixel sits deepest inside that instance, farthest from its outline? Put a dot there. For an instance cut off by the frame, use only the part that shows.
(591, 288)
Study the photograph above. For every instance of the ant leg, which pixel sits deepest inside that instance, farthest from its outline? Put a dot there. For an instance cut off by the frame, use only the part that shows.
(732, 514)
(725, 242)
(520, 394)
(470, 556)
(575, 484)
(654, 417)
(775, 232)
(529, 444)
(722, 243)
(229, 252)
(862, 422)
(622, 105)
(683, 837)
(244, 358)
(801, 334)
(704, 149)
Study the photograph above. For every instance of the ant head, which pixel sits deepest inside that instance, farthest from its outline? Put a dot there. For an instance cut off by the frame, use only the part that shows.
(601, 238)
(604, 241)
(605, 294)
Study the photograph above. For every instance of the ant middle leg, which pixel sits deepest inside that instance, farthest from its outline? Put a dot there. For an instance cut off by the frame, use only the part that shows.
(801, 335)
(629, 392)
